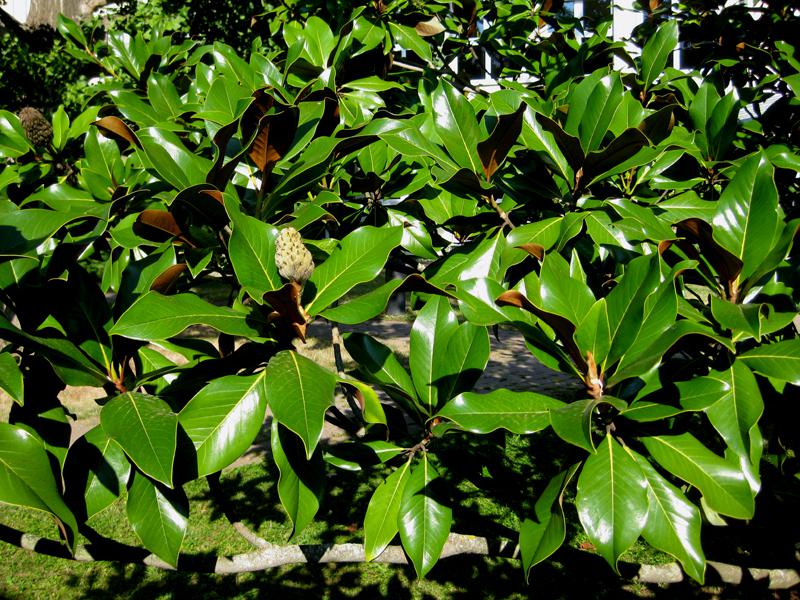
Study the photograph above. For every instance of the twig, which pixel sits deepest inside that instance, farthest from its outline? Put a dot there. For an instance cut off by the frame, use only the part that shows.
(402, 65)
(503, 214)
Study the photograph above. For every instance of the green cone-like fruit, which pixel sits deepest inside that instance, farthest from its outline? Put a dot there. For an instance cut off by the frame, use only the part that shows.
(37, 128)
(292, 258)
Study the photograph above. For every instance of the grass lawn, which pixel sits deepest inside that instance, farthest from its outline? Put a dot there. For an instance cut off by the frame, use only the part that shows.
(250, 489)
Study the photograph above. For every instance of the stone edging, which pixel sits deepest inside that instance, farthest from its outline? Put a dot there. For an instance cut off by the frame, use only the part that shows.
(779, 579)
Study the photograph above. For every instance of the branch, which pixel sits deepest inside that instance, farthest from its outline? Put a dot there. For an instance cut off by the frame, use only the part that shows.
(268, 557)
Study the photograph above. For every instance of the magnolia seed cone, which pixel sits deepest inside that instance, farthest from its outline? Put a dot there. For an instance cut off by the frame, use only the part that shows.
(292, 258)
(37, 128)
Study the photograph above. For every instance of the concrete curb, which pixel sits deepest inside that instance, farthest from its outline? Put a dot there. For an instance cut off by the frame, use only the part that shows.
(779, 579)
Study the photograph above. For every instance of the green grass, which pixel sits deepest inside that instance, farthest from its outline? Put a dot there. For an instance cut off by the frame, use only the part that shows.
(486, 499)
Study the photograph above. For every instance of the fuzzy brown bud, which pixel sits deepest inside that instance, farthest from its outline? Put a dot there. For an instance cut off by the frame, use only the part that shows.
(292, 258)
(37, 128)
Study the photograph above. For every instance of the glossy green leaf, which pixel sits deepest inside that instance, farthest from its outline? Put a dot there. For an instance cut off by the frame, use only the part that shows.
(383, 510)
(457, 126)
(594, 333)
(748, 320)
(225, 101)
(96, 472)
(25, 230)
(722, 483)
(746, 222)
(252, 252)
(657, 51)
(612, 500)
(224, 418)
(517, 412)
(156, 317)
(159, 517)
(146, 429)
(592, 105)
(626, 303)
(738, 409)
(163, 96)
(539, 538)
(47, 419)
(299, 393)
(639, 360)
(673, 523)
(542, 139)
(71, 365)
(13, 142)
(544, 233)
(378, 364)
(170, 158)
(406, 37)
(302, 479)
(779, 360)
(359, 257)
(467, 354)
(435, 325)
(424, 521)
(573, 423)
(11, 378)
(26, 478)
(372, 409)
(476, 299)
(560, 293)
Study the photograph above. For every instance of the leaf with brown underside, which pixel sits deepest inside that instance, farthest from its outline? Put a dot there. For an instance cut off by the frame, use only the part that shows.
(563, 328)
(114, 127)
(432, 26)
(288, 311)
(495, 148)
(272, 134)
(536, 250)
(150, 222)
(165, 283)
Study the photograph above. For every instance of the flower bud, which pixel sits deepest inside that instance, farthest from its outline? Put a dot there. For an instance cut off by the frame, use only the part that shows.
(292, 258)
(37, 128)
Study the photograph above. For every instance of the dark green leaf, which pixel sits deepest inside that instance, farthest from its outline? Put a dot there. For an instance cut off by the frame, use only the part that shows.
(252, 252)
(430, 336)
(26, 478)
(457, 126)
(146, 429)
(159, 516)
(518, 412)
(166, 153)
(382, 516)
(673, 523)
(299, 393)
(302, 480)
(612, 500)
(224, 418)
(657, 51)
(96, 471)
(723, 485)
(746, 222)
(424, 522)
(156, 317)
(359, 257)
(11, 378)
(780, 360)
(540, 538)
